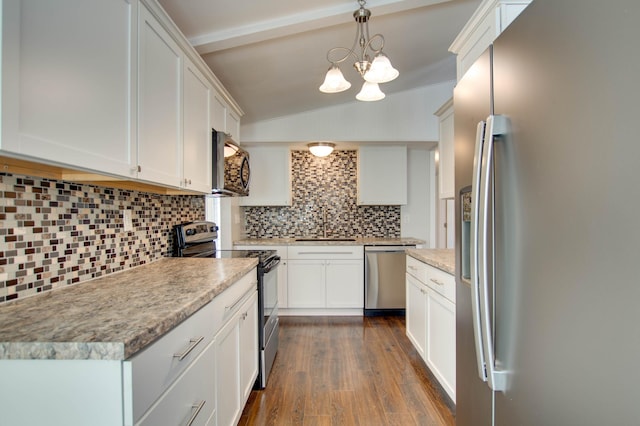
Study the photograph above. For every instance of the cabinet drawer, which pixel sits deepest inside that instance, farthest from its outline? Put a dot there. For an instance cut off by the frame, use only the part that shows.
(229, 301)
(325, 252)
(158, 365)
(441, 282)
(193, 394)
(417, 269)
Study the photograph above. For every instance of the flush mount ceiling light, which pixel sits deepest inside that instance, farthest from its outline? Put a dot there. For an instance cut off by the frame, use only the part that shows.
(321, 149)
(373, 72)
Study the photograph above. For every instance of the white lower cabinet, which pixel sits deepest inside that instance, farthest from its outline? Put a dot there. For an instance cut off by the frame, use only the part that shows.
(189, 400)
(236, 347)
(307, 289)
(441, 340)
(203, 370)
(416, 314)
(325, 277)
(431, 320)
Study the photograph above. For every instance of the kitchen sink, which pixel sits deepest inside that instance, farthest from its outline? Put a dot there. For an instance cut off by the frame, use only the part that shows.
(324, 239)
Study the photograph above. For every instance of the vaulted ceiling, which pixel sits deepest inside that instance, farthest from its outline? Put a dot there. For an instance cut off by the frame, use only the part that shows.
(271, 54)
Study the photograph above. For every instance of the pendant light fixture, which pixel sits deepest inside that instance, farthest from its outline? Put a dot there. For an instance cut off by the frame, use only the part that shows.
(321, 149)
(376, 71)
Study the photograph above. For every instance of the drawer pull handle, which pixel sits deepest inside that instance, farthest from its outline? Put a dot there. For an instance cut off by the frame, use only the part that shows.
(325, 252)
(193, 344)
(196, 410)
(232, 307)
(436, 281)
(413, 268)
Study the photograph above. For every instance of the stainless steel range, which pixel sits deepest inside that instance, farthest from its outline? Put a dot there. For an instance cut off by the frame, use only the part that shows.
(197, 239)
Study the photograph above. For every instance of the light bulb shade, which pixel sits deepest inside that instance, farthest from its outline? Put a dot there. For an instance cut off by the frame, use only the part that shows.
(334, 81)
(381, 70)
(370, 92)
(321, 149)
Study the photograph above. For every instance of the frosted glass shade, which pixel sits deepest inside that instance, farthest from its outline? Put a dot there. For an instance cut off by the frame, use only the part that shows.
(334, 81)
(321, 149)
(381, 70)
(370, 92)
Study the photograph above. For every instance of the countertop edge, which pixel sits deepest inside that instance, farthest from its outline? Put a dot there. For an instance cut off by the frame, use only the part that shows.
(127, 347)
(443, 259)
(357, 241)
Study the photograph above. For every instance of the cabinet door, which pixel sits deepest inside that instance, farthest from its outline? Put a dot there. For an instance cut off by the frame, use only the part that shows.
(283, 277)
(66, 78)
(306, 287)
(345, 283)
(270, 177)
(233, 125)
(227, 344)
(416, 314)
(382, 175)
(445, 150)
(441, 340)
(197, 142)
(218, 112)
(248, 346)
(159, 103)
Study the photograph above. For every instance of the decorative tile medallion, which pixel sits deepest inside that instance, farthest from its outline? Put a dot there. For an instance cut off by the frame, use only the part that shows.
(323, 187)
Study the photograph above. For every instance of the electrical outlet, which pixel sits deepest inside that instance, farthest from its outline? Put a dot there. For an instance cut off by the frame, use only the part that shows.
(126, 219)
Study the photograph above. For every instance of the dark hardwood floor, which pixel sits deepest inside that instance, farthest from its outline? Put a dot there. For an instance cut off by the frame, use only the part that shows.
(347, 371)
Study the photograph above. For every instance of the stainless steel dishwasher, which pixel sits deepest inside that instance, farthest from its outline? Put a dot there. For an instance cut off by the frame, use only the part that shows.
(384, 277)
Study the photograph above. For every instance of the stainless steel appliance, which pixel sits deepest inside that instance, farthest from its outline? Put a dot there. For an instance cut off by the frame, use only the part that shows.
(231, 169)
(546, 132)
(197, 239)
(384, 276)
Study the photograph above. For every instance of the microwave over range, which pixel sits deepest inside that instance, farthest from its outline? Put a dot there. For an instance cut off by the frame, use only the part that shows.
(231, 169)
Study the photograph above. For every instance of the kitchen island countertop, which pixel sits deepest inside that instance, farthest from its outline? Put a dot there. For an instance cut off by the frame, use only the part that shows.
(358, 241)
(113, 317)
(443, 259)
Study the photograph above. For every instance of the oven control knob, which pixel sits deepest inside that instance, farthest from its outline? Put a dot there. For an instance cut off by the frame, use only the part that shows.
(214, 228)
(190, 232)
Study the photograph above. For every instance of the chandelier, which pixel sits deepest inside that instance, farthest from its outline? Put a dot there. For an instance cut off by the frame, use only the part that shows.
(364, 48)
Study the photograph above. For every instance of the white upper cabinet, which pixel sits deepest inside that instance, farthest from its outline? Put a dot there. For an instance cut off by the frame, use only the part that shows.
(110, 88)
(66, 77)
(197, 141)
(270, 176)
(233, 125)
(159, 103)
(218, 112)
(382, 175)
(446, 175)
(485, 25)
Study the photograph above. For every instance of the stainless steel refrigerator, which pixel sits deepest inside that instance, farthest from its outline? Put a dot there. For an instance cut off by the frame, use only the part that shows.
(547, 141)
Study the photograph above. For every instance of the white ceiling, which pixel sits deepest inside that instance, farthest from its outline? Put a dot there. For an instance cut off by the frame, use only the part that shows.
(271, 54)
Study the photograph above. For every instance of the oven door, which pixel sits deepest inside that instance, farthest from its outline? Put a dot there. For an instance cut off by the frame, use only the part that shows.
(270, 300)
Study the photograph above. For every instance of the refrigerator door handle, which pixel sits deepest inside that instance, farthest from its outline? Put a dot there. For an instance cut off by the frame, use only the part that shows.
(474, 253)
(496, 126)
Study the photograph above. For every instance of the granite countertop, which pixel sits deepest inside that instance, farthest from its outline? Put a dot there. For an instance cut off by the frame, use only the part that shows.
(115, 316)
(443, 259)
(365, 241)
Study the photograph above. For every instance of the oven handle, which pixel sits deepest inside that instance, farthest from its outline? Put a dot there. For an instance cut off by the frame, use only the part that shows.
(275, 261)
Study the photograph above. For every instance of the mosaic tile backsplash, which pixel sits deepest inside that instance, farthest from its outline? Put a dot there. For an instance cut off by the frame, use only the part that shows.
(318, 184)
(56, 233)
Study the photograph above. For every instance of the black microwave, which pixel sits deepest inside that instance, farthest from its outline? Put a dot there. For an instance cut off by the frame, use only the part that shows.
(231, 169)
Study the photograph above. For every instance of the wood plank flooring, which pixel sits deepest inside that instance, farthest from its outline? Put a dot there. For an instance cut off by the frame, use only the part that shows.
(347, 371)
